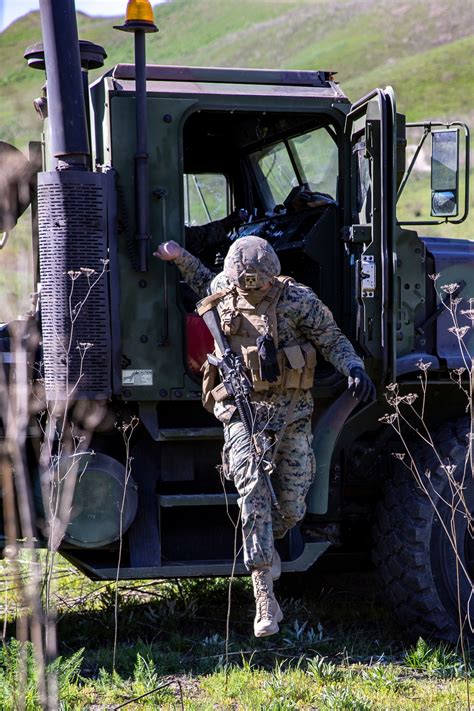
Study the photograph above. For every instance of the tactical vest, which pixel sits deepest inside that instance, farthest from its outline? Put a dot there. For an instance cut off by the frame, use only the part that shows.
(242, 323)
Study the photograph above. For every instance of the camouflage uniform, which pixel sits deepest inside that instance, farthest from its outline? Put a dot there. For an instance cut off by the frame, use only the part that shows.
(301, 316)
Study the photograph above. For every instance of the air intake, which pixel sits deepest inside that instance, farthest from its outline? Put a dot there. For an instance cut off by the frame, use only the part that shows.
(75, 309)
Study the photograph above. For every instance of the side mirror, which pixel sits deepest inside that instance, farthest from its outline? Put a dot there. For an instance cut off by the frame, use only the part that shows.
(444, 173)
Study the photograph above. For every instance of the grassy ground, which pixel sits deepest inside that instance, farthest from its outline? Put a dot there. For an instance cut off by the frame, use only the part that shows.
(338, 649)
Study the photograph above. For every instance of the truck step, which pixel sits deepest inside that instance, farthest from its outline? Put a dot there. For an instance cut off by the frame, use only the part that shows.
(199, 568)
(171, 500)
(179, 434)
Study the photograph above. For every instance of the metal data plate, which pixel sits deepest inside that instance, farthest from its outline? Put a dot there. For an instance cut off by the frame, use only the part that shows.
(368, 276)
(137, 377)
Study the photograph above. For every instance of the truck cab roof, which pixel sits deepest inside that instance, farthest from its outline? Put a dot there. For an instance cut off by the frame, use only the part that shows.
(235, 81)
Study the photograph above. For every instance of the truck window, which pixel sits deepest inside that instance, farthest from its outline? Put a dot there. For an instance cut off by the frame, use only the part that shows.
(276, 173)
(361, 207)
(317, 156)
(206, 198)
(310, 158)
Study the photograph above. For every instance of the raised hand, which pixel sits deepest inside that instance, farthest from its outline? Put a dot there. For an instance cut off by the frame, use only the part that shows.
(167, 251)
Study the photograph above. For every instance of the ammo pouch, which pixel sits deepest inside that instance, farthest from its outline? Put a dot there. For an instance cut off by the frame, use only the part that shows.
(212, 390)
(296, 362)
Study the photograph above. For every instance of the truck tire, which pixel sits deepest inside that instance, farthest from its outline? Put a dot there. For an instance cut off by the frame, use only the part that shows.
(413, 555)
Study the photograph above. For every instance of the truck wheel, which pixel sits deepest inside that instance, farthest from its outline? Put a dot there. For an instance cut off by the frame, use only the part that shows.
(421, 578)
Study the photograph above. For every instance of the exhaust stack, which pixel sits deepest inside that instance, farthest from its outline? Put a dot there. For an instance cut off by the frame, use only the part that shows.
(67, 112)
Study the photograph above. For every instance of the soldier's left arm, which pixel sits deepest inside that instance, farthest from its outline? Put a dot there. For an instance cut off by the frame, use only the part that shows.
(195, 273)
(316, 323)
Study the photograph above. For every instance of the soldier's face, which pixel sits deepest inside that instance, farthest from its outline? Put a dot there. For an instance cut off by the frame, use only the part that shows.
(255, 296)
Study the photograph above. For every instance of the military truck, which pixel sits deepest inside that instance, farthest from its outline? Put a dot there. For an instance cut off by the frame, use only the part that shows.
(123, 165)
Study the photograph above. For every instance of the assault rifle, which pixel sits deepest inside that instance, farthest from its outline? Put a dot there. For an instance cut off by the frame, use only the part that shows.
(239, 386)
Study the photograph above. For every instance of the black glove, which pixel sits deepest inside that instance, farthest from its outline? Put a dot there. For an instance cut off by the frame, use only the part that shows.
(268, 358)
(360, 385)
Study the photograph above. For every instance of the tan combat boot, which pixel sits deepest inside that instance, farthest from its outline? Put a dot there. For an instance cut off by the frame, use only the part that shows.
(268, 612)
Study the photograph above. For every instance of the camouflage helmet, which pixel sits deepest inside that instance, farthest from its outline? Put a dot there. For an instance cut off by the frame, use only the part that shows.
(251, 262)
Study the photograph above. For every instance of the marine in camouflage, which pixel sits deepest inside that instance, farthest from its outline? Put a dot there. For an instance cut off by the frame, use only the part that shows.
(301, 317)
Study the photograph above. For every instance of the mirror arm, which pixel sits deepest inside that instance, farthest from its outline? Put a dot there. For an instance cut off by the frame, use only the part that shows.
(426, 132)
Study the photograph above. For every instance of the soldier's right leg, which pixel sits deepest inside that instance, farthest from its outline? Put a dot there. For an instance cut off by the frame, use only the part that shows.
(254, 497)
(295, 469)
(257, 532)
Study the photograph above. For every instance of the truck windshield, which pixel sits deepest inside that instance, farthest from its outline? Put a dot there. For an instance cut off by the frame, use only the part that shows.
(309, 158)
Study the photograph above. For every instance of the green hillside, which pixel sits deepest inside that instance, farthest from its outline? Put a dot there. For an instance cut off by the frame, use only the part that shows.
(423, 48)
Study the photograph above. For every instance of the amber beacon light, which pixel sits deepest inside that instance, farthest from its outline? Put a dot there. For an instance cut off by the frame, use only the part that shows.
(139, 14)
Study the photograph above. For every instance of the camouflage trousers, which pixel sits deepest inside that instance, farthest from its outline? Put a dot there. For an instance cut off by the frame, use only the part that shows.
(294, 472)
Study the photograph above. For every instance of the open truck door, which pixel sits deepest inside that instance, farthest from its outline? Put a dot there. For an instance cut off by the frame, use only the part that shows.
(371, 138)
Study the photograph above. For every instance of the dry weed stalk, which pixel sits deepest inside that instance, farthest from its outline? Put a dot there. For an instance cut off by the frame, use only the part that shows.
(20, 530)
(127, 429)
(407, 418)
(22, 402)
